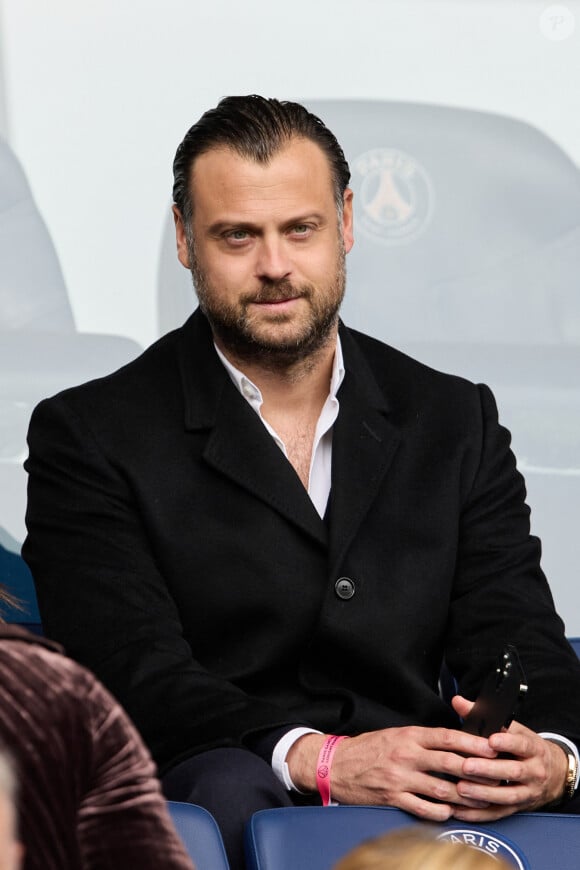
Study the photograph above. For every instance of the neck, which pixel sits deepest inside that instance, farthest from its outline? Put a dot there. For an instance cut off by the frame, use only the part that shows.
(303, 384)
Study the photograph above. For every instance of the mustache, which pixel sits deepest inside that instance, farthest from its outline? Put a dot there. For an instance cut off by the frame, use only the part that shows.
(276, 291)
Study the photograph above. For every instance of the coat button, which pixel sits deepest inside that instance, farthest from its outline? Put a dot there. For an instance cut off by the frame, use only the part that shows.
(344, 588)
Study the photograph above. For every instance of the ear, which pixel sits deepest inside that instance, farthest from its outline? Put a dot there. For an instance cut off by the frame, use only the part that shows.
(181, 238)
(347, 220)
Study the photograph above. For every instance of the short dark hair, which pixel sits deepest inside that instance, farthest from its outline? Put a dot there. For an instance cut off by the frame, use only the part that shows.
(255, 127)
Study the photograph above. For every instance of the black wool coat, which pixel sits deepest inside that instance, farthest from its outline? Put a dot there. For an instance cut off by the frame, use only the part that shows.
(177, 554)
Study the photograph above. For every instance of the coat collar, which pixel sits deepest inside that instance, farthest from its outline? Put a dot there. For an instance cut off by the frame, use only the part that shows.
(203, 377)
(364, 443)
(238, 445)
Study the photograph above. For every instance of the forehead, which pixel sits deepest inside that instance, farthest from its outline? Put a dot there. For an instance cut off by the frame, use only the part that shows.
(296, 175)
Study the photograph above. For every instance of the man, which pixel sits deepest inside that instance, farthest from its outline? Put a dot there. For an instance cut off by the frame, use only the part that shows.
(10, 849)
(270, 523)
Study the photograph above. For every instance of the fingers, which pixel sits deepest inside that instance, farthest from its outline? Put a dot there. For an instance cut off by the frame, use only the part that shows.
(440, 789)
(434, 799)
(459, 742)
(494, 771)
(499, 795)
(502, 801)
(431, 772)
(424, 809)
(491, 813)
(517, 740)
(461, 705)
(413, 768)
(535, 772)
(435, 773)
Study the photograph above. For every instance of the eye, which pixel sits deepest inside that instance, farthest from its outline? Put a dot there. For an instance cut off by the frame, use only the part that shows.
(236, 238)
(301, 230)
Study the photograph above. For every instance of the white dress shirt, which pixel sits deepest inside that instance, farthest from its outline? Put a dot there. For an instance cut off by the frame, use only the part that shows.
(319, 476)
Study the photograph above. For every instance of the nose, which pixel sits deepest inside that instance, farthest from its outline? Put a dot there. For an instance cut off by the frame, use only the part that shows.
(273, 262)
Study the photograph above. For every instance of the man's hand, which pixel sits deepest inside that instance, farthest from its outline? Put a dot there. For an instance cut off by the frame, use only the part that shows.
(396, 767)
(535, 773)
(404, 767)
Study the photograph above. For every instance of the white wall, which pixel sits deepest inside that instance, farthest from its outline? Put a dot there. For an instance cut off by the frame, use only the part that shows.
(100, 92)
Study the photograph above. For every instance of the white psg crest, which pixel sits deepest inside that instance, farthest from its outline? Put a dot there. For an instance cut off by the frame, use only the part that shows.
(495, 847)
(395, 197)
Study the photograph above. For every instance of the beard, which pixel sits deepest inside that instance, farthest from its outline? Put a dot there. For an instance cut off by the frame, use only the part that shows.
(282, 342)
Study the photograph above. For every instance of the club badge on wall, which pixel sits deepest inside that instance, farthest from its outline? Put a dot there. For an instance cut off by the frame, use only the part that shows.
(394, 196)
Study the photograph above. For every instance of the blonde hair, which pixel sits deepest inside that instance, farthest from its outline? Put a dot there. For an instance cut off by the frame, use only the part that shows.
(417, 849)
(7, 599)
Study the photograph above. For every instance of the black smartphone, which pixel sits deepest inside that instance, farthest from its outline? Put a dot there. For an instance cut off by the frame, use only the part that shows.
(500, 696)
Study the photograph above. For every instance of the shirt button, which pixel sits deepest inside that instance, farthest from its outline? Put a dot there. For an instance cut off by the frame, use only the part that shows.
(344, 588)
(248, 390)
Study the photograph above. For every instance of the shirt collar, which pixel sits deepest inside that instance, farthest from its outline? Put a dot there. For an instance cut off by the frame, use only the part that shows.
(251, 392)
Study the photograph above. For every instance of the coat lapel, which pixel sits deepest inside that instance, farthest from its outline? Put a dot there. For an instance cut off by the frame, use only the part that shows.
(238, 446)
(364, 443)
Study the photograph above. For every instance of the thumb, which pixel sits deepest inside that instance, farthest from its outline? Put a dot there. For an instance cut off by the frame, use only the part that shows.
(461, 705)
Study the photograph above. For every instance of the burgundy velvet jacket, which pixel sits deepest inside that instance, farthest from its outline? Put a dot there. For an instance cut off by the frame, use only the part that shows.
(88, 795)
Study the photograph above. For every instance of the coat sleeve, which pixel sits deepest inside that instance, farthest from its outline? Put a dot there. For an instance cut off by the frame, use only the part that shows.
(500, 592)
(102, 595)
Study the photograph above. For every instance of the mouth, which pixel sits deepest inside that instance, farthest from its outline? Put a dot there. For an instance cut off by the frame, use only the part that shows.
(277, 298)
(279, 301)
(278, 293)
(276, 306)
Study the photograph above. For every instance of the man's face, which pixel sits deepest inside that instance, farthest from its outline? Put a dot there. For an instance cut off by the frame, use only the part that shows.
(267, 250)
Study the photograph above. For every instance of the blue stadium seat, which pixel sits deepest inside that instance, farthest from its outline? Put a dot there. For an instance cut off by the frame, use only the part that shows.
(199, 831)
(16, 578)
(41, 351)
(314, 838)
(575, 644)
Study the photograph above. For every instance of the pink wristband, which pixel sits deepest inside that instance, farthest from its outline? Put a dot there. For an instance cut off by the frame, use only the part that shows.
(323, 766)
